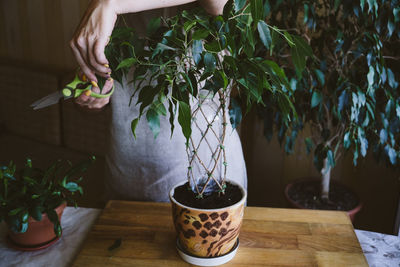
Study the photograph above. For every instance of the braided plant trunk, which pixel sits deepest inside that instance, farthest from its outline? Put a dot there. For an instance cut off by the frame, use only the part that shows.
(206, 149)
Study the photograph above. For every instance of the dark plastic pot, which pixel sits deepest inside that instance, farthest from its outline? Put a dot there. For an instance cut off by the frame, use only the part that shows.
(352, 213)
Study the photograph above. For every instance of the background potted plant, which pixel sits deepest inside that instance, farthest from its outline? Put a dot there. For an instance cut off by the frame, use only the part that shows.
(193, 61)
(32, 201)
(347, 96)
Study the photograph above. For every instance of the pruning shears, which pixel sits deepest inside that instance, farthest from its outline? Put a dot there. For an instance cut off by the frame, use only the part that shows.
(73, 89)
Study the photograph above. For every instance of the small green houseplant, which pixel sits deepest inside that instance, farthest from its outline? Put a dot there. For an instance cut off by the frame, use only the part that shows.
(190, 57)
(30, 196)
(347, 96)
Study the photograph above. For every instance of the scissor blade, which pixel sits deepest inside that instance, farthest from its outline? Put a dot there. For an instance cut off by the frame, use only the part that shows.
(47, 100)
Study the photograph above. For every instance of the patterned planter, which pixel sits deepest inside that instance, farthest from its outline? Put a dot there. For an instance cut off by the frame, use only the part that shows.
(207, 232)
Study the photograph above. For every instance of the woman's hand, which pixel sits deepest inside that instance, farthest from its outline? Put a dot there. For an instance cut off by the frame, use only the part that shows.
(87, 102)
(92, 36)
(88, 44)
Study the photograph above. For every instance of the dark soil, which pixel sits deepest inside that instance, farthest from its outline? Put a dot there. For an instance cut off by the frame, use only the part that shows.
(308, 195)
(183, 194)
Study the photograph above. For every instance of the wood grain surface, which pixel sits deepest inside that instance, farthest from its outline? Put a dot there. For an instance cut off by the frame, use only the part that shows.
(269, 237)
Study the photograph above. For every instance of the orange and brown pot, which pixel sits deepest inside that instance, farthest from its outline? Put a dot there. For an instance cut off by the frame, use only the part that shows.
(38, 233)
(207, 232)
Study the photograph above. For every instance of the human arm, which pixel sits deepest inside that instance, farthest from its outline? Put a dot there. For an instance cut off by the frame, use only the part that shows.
(92, 34)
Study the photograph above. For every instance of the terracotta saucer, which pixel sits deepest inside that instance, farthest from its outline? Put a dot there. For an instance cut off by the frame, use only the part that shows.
(16, 246)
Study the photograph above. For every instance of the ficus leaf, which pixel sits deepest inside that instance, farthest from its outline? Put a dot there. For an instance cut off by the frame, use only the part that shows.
(184, 119)
(316, 99)
(209, 61)
(239, 4)
(134, 124)
(126, 63)
(264, 33)
(153, 121)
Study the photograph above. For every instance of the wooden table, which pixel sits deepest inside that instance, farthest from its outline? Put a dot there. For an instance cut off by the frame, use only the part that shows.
(269, 237)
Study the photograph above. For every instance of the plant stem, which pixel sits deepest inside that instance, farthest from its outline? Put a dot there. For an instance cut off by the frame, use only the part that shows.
(326, 178)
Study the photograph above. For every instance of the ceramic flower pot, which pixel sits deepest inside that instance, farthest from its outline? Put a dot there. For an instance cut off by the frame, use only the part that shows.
(207, 232)
(289, 187)
(39, 233)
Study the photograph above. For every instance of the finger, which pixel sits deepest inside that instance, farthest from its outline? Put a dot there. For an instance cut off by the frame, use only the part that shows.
(83, 99)
(91, 98)
(108, 85)
(98, 50)
(100, 68)
(83, 65)
(99, 103)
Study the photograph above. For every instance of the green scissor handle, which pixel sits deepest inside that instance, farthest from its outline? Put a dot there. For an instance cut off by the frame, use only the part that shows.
(71, 89)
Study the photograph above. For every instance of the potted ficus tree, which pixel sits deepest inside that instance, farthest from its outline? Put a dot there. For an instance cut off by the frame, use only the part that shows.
(346, 97)
(32, 201)
(186, 67)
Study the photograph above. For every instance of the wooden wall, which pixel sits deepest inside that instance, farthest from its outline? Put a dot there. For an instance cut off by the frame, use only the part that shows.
(35, 33)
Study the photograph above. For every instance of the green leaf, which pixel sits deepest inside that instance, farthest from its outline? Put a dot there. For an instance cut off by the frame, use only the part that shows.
(134, 124)
(15, 211)
(302, 45)
(126, 63)
(24, 227)
(57, 229)
(146, 96)
(320, 76)
(36, 213)
(299, 60)
(267, 8)
(396, 14)
(200, 34)
(209, 61)
(25, 216)
(213, 46)
(392, 82)
(71, 186)
(171, 116)
(239, 4)
(346, 140)
(188, 25)
(391, 154)
(188, 82)
(184, 119)
(235, 113)
(193, 81)
(337, 4)
(383, 136)
(197, 49)
(316, 99)
(370, 76)
(227, 9)
(117, 243)
(265, 34)
(362, 4)
(153, 121)
(160, 48)
(153, 26)
(256, 9)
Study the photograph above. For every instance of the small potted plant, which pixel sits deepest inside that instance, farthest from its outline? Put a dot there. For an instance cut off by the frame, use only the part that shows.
(193, 61)
(32, 201)
(347, 97)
